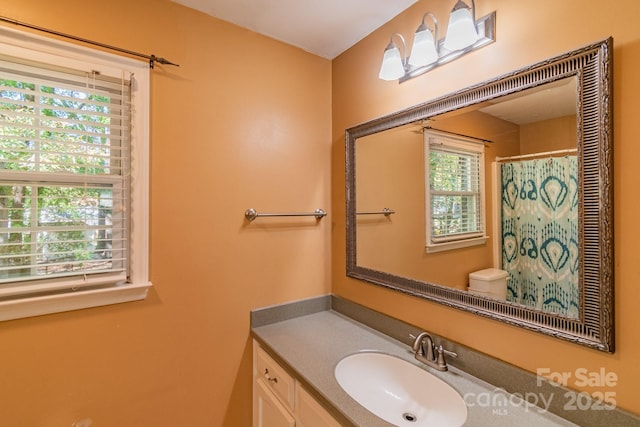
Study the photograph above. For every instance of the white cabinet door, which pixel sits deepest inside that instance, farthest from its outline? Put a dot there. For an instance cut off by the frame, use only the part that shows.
(310, 413)
(269, 412)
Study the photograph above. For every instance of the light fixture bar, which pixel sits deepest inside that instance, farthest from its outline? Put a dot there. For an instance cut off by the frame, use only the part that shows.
(486, 30)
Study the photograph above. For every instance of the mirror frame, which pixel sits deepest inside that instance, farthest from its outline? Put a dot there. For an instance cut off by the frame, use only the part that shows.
(592, 65)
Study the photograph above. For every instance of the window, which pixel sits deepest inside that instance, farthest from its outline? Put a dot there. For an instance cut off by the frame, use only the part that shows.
(73, 177)
(454, 192)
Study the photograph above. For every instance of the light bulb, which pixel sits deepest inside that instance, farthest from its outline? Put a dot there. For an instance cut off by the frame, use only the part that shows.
(392, 67)
(461, 31)
(424, 50)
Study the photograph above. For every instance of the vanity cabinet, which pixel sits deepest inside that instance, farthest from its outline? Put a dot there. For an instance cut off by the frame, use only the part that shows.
(279, 400)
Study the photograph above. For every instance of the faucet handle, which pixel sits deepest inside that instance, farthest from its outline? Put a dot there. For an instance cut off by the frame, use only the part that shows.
(442, 363)
(448, 353)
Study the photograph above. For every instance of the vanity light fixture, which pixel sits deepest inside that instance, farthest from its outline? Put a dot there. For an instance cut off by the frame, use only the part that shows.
(394, 65)
(464, 34)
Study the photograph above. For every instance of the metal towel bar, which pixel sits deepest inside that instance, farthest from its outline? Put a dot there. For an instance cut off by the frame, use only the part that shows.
(385, 212)
(252, 214)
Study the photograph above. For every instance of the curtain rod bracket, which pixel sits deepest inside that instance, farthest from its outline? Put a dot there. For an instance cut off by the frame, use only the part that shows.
(152, 58)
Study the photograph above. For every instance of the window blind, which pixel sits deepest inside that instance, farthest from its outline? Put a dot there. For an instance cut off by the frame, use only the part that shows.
(455, 190)
(64, 177)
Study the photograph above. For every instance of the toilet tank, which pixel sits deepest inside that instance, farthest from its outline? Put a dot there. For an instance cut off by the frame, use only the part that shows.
(490, 281)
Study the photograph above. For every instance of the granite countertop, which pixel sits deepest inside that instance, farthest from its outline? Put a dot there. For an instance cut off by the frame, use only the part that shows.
(310, 346)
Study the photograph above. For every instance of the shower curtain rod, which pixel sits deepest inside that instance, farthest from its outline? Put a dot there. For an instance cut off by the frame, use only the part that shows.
(456, 134)
(152, 58)
(544, 153)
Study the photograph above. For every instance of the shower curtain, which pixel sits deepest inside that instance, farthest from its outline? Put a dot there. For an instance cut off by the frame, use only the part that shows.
(540, 233)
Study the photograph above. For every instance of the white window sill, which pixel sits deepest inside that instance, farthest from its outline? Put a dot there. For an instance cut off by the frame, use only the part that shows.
(36, 306)
(456, 244)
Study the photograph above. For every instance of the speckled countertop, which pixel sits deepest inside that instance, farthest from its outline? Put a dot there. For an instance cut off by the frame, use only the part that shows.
(310, 346)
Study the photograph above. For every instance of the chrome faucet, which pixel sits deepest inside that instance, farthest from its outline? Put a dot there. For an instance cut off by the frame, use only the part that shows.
(427, 353)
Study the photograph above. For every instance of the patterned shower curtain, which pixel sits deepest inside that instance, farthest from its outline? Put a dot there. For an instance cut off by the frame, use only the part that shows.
(540, 233)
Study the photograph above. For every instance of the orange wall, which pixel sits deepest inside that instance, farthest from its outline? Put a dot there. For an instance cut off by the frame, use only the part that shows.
(358, 96)
(390, 174)
(548, 135)
(245, 121)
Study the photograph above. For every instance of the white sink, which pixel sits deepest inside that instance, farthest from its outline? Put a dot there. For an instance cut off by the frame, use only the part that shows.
(399, 392)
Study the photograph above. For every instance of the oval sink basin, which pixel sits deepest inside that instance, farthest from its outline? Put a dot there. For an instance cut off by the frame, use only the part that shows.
(399, 392)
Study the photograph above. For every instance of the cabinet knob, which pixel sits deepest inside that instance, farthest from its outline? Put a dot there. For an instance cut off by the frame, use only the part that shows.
(269, 377)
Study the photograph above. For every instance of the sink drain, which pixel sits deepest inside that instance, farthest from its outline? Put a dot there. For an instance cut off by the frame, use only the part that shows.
(409, 417)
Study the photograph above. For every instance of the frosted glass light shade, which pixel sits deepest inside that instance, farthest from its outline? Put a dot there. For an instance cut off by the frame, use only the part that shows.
(461, 32)
(424, 50)
(392, 67)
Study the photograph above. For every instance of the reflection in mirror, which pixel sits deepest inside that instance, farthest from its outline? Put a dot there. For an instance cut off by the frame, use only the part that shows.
(530, 170)
(543, 257)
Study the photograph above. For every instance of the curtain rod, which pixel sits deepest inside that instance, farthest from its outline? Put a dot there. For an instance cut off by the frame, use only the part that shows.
(152, 58)
(543, 153)
(456, 134)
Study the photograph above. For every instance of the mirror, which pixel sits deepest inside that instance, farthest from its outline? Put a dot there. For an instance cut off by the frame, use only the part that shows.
(546, 136)
(532, 135)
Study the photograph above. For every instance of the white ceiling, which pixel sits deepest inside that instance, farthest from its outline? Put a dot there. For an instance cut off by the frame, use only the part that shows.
(323, 27)
(546, 102)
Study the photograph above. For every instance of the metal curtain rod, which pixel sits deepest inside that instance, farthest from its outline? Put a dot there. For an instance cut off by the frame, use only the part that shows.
(544, 153)
(456, 134)
(152, 58)
(252, 214)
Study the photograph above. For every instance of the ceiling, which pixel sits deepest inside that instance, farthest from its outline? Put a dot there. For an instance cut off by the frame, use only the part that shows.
(323, 27)
(552, 100)
(329, 27)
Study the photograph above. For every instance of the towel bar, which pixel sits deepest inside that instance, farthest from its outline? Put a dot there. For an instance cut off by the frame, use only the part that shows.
(385, 212)
(252, 214)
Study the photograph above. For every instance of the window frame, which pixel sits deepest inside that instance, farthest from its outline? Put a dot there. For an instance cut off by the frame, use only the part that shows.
(461, 144)
(76, 294)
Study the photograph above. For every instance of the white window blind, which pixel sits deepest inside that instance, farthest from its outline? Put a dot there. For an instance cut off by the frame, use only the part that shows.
(455, 189)
(64, 177)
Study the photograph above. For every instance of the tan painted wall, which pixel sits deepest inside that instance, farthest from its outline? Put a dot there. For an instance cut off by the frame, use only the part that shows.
(548, 135)
(359, 96)
(390, 173)
(244, 122)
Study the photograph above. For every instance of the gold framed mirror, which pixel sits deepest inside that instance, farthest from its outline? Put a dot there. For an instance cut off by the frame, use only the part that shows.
(393, 227)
